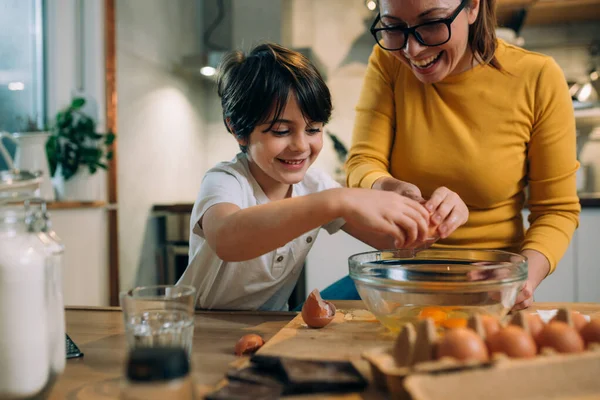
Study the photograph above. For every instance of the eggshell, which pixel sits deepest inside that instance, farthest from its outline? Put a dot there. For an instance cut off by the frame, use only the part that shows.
(513, 341)
(578, 319)
(463, 344)
(491, 325)
(591, 332)
(536, 325)
(317, 312)
(248, 344)
(561, 337)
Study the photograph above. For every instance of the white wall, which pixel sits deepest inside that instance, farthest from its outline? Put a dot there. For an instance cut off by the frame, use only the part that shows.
(83, 231)
(337, 32)
(160, 123)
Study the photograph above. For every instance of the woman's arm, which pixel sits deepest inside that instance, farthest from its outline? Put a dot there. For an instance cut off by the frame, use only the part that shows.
(374, 126)
(552, 165)
(242, 234)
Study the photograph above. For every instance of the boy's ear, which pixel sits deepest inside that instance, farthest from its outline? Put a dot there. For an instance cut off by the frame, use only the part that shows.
(228, 124)
(241, 141)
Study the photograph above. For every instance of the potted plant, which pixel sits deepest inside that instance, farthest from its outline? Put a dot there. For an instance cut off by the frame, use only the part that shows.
(76, 151)
(342, 153)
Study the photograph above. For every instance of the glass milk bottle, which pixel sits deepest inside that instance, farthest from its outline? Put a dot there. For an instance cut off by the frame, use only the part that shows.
(31, 319)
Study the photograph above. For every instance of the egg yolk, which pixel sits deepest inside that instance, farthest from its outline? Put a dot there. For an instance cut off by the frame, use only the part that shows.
(437, 314)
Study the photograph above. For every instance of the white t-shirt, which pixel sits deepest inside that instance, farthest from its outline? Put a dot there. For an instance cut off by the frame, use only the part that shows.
(263, 283)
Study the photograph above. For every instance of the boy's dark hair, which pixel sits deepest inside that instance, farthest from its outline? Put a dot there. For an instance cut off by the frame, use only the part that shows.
(252, 86)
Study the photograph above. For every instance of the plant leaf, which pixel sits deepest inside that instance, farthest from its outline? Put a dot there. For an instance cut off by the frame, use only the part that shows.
(77, 103)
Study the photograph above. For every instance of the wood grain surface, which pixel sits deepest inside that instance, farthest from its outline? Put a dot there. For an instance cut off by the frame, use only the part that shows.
(99, 334)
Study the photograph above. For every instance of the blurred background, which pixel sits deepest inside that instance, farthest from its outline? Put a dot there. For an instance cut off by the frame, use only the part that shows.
(145, 69)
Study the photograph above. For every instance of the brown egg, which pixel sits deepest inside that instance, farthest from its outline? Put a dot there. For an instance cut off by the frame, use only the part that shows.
(591, 332)
(513, 341)
(536, 324)
(491, 325)
(579, 320)
(561, 337)
(317, 312)
(248, 344)
(462, 344)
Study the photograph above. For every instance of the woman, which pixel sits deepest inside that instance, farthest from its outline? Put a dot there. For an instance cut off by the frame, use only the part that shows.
(450, 114)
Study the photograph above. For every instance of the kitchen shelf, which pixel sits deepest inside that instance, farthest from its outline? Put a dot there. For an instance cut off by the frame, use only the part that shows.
(71, 205)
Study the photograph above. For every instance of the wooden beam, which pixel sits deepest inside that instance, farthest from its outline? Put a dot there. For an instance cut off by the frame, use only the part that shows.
(111, 125)
(554, 11)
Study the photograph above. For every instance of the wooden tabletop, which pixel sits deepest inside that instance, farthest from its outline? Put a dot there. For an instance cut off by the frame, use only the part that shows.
(99, 334)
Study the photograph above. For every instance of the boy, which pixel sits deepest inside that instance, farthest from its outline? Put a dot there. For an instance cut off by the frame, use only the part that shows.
(257, 216)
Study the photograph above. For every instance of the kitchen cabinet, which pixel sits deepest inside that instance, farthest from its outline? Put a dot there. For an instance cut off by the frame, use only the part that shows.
(328, 259)
(588, 256)
(562, 284)
(577, 277)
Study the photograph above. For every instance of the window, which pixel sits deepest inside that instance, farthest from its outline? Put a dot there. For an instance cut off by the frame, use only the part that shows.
(21, 65)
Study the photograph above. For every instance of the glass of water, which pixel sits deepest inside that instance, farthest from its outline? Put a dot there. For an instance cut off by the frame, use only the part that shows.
(159, 316)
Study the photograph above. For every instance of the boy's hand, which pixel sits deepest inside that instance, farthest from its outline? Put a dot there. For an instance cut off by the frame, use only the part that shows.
(402, 218)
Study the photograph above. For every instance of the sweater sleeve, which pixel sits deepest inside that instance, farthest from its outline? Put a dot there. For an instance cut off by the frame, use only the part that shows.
(374, 128)
(552, 164)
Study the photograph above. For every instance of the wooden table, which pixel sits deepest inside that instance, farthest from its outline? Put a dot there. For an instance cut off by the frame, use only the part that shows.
(99, 334)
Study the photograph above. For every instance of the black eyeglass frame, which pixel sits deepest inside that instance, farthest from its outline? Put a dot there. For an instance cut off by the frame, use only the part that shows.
(413, 29)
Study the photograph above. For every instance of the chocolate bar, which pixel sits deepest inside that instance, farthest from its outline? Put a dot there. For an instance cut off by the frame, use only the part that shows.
(238, 390)
(308, 376)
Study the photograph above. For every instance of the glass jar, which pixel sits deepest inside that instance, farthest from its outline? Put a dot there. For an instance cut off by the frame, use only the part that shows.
(32, 336)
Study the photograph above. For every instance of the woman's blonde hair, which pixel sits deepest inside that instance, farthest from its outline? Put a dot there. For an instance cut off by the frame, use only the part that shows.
(482, 34)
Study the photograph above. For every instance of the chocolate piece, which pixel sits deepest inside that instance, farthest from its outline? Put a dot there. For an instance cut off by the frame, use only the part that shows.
(308, 376)
(238, 390)
(259, 376)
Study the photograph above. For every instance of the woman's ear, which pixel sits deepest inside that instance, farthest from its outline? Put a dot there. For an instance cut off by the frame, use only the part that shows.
(473, 11)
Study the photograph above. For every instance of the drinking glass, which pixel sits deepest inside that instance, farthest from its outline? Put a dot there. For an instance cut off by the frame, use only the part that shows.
(159, 316)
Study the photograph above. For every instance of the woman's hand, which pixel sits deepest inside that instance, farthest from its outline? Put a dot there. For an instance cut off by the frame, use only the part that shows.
(537, 269)
(448, 211)
(402, 188)
(388, 213)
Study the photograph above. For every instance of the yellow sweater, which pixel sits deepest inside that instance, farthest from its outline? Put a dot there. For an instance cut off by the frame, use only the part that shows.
(484, 134)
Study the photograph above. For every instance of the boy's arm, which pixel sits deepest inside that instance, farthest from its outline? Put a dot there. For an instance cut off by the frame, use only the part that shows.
(374, 239)
(242, 234)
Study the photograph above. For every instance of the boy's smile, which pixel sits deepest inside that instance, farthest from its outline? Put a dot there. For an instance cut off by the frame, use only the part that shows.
(280, 156)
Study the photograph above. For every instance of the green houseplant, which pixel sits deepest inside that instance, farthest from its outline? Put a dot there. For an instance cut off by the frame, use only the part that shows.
(74, 142)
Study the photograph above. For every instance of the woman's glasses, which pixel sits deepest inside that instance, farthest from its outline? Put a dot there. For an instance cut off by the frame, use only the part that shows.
(432, 33)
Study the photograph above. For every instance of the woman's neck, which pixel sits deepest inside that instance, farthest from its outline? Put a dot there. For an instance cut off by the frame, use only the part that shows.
(467, 62)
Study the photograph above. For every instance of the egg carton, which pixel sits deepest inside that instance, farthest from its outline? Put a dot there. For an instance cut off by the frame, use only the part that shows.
(409, 365)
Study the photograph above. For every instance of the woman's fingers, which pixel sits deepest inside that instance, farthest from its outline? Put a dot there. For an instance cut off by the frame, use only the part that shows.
(451, 222)
(436, 199)
(524, 298)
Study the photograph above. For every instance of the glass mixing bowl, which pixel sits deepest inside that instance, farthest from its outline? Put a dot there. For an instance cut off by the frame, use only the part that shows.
(400, 286)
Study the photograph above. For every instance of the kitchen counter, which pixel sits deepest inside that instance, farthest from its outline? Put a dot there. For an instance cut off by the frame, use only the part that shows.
(99, 334)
